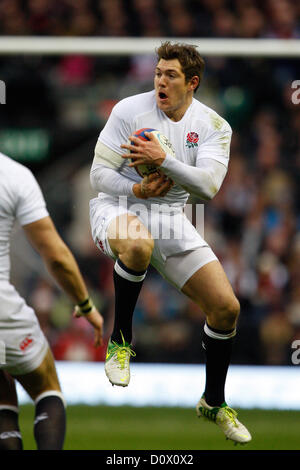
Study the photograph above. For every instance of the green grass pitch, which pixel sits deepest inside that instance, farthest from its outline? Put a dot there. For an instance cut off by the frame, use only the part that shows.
(130, 428)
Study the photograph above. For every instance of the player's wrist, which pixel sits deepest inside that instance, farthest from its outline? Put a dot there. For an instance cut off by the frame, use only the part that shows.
(165, 162)
(85, 307)
(139, 190)
(161, 159)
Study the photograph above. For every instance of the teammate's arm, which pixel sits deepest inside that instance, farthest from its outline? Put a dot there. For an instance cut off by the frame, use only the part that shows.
(62, 265)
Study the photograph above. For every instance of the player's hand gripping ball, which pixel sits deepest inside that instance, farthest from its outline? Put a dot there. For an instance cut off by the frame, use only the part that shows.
(146, 170)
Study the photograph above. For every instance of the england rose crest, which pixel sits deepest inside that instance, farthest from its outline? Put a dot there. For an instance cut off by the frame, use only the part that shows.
(192, 140)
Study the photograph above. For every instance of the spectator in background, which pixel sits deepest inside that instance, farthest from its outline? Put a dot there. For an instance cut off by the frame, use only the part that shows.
(180, 19)
(282, 22)
(113, 18)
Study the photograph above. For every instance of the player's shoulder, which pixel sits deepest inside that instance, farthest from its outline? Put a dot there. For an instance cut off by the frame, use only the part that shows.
(10, 170)
(136, 104)
(210, 118)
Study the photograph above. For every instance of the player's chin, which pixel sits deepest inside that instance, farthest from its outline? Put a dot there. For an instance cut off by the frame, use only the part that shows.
(162, 103)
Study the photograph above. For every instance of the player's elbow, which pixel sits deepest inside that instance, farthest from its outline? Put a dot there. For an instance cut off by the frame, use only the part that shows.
(93, 179)
(99, 176)
(210, 193)
(207, 192)
(211, 187)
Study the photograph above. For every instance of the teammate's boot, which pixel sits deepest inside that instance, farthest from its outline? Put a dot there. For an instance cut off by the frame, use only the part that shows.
(226, 418)
(117, 362)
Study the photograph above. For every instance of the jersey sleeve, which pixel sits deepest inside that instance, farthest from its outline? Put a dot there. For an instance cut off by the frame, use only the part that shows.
(117, 128)
(217, 145)
(30, 202)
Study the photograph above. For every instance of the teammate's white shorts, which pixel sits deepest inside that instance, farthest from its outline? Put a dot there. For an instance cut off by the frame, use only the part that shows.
(22, 342)
(177, 254)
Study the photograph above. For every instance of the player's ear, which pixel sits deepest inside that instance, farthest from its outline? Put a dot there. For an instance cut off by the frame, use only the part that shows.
(194, 82)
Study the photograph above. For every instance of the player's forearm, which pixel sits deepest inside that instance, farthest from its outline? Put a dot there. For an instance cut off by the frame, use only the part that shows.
(203, 181)
(64, 269)
(109, 181)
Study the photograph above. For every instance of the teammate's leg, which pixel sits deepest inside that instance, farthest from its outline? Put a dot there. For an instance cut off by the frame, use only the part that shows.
(132, 245)
(43, 387)
(10, 436)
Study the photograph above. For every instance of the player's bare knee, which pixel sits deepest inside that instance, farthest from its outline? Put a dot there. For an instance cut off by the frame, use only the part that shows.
(225, 316)
(141, 249)
(231, 312)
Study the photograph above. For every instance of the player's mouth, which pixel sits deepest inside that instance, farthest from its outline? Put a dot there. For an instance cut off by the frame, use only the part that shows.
(162, 96)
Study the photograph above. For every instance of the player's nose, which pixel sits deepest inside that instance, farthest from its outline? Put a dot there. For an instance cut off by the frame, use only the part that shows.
(162, 81)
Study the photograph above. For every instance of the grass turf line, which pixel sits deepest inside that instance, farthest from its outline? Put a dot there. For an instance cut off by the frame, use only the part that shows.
(122, 428)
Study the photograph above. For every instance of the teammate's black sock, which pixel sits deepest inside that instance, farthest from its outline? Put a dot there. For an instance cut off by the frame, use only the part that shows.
(218, 347)
(50, 423)
(128, 284)
(10, 436)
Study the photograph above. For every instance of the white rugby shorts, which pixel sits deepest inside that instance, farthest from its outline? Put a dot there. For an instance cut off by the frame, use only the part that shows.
(22, 342)
(179, 250)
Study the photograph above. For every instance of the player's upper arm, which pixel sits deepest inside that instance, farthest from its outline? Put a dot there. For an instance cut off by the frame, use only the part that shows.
(107, 157)
(43, 236)
(118, 127)
(217, 144)
(29, 201)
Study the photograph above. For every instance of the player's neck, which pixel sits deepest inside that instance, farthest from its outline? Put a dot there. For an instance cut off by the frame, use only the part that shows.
(178, 113)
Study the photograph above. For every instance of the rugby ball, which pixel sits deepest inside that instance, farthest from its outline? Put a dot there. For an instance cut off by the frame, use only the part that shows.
(146, 170)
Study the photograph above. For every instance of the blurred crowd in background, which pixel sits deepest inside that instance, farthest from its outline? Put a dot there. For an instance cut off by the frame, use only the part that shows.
(151, 18)
(61, 104)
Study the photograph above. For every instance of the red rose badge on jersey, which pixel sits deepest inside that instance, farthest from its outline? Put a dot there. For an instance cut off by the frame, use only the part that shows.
(192, 140)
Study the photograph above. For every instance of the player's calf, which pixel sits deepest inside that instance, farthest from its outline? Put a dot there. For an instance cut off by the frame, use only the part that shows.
(50, 420)
(10, 436)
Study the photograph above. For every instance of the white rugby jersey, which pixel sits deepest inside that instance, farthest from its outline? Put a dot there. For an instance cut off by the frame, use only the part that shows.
(200, 134)
(21, 200)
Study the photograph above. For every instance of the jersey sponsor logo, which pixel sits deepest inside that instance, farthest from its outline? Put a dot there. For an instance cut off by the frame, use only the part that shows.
(25, 343)
(192, 140)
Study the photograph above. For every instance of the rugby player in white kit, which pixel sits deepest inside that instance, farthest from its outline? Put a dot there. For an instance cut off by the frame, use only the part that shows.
(25, 352)
(201, 140)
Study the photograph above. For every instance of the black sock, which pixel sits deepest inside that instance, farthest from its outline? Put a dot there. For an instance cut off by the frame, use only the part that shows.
(50, 423)
(218, 347)
(10, 436)
(128, 284)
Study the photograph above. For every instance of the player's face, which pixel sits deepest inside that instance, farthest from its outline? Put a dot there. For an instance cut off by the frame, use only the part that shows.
(173, 93)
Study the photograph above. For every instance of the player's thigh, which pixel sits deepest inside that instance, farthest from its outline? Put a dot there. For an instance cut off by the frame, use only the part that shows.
(179, 268)
(127, 231)
(114, 226)
(210, 288)
(8, 394)
(42, 379)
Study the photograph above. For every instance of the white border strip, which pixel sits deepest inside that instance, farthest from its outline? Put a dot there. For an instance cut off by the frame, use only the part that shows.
(167, 384)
